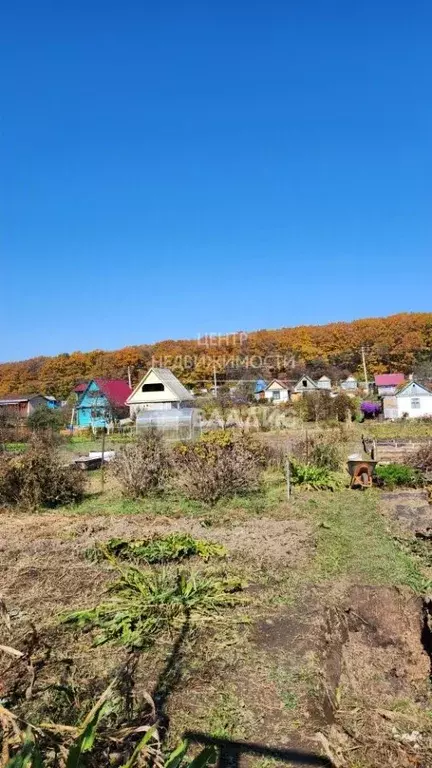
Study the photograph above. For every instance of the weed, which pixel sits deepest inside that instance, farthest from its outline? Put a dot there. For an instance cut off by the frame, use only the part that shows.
(157, 549)
(144, 604)
(82, 749)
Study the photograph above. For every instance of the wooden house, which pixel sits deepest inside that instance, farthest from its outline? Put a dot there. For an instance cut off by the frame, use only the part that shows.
(102, 402)
(350, 384)
(412, 400)
(23, 405)
(388, 383)
(304, 386)
(159, 389)
(324, 383)
(277, 391)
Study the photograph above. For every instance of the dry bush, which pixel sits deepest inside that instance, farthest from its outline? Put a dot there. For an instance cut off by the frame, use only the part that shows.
(219, 464)
(321, 449)
(144, 466)
(39, 478)
(422, 459)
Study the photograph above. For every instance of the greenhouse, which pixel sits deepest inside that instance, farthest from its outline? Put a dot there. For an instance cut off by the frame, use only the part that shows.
(172, 423)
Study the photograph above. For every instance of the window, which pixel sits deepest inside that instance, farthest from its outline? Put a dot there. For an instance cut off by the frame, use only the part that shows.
(415, 402)
(156, 387)
(276, 395)
(304, 382)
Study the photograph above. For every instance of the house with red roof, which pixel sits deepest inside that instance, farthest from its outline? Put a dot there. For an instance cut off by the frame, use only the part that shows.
(102, 402)
(388, 383)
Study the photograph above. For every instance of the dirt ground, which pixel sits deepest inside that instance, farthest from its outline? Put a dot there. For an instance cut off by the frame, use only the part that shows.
(342, 673)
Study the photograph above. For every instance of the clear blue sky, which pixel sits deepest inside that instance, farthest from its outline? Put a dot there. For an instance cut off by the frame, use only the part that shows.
(182, 167)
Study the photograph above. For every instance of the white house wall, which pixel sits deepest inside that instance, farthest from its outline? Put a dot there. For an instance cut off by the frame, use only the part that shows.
(404, 405)
(140, 397)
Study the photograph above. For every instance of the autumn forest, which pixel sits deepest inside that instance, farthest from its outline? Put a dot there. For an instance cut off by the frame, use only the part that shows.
(397, 343)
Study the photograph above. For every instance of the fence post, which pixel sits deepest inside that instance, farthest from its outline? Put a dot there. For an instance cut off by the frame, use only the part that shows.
(288, 476)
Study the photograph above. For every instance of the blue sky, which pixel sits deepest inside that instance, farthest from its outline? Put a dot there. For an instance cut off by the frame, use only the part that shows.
(185, 167)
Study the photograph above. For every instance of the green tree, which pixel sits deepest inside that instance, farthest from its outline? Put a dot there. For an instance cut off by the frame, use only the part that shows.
(44, 418)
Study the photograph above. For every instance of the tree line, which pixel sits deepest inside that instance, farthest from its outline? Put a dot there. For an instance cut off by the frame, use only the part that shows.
(401, 342)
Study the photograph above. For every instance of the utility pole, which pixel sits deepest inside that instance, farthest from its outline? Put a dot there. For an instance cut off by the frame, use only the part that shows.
(364, 368)
(214, 379)
(129, 377)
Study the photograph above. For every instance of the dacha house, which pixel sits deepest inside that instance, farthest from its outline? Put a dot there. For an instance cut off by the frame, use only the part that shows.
(102, 402)
(159, 389)
(24, 405)
(411, 401)
(387, 383)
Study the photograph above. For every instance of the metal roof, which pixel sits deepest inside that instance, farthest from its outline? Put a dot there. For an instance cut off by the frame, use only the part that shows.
(167, 377)
(389, 379)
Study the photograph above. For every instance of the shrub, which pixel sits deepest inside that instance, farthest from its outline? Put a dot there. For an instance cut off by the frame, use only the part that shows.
(144, 466)
(44, 418)
(326, 456)
(422, 459)
(316, 478)
(219, 464)
(370, 409)
(38, 477)
(392, 475)
(344, 407)
(144, 604)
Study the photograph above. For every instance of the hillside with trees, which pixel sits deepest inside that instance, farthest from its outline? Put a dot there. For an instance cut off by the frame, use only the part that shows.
(400, 342)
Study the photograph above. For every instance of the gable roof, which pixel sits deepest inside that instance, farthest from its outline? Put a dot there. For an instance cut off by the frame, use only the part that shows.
(81, 387)
(299, 386)
(415, 386)
(389, 379)
(171, 381)
(116, 391)
(282, 384)
(15, 398)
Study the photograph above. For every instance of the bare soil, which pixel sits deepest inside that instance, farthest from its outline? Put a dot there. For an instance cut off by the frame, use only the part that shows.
(339, 672)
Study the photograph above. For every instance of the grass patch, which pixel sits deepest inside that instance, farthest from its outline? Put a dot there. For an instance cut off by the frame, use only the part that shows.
(229, 718)
(398, 429)
(352, 540)
(172, 504)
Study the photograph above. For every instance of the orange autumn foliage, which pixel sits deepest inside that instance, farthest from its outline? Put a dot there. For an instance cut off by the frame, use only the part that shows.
(393, 343)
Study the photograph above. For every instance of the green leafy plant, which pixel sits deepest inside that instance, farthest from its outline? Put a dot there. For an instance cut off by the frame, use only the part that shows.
(81, 752)
(157, 549)
(144, 604)
(316, 478)
(392, 475)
